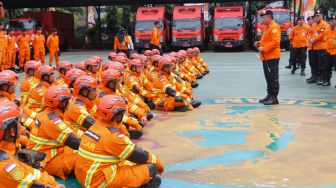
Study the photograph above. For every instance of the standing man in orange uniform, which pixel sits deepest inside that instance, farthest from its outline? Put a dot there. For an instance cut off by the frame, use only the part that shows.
(53, 46)
(155, 39)
(38, 45)
(331, 49)
(2, 46)
(299, 41)
(269, 48)
(23, 42)
(122, 42)
(10, 51)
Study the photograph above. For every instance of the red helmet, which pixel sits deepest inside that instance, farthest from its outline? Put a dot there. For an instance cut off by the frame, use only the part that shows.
(156, 58)
(85, 82)
(66, 65)
(135, 56)
(110, 75)
(117, 66)
(135, 63)
(56, 94)
(31, 65)
(165, 61)
(91, 62)
(190, 51)
(80, 65)
(99, 59)
(109, 106)
(44, 70)
(156, 52)
(73, 74)
(106, 65)
(9, 116)
(121, 59)
(196, 50)
(184, 53)
(122, 54)
(8, 77)
(112, 55)
(148, 53)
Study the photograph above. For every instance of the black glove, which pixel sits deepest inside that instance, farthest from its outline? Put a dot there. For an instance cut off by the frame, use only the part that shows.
(17, 102)
(31, 157)
(178, 99)
(169, 91)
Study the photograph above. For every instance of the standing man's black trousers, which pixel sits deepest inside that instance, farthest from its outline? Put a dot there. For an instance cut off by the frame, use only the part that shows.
(271, 71)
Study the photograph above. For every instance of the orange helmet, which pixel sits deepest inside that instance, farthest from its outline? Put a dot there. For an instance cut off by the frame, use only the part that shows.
(64, 65)
(196, 50)
(135, 63)
(121, 59)
(190, 51)
(156, 52)
(109, 106)
(165, 61)
(156, 58)
(73, 74)
(106, 65)
(148, 53)
(99, 59)
(85, 82)
(135, 56)
(31, 65)
(91, 62)
(80, 65)
(122, 54)
(8, 77)
(55, 95)
(9, 117)
(110, 75)
(112, 55)
(117, 66)
(184, 53)
(44, 70)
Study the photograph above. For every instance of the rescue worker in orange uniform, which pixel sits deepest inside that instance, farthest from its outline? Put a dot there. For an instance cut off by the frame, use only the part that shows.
(319, 46)
(103, 150)
(155, 38)
(269, 48)
(122, 42)
(52, 135)
(187, 68)
(29, 81)
(112, 55)
(79, 113)
(200, 60)
(10, 51)
(166, 98)
(63, 67)
(36, 99)
(2, 46)
(310, 21)
(200, 71)
(23, 42)
(72, 75)
(16, 173)
(182, 72)
(38, 45)
(331, 49)
(8, 81)
(53, 46)
(92, 68)
(299, 41)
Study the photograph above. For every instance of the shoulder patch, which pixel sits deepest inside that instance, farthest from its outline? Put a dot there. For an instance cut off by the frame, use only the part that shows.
(53, 115)
(112, 130)
(92, 135)
(39, 85)
(17, 173)
(274, 30)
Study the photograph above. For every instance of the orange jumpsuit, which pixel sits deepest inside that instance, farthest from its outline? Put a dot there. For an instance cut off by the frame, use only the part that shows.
(17, 174)
(155, 39)
(23, 42)
(270, 42)
(100, 158)
(27, 85)
(196, 64)
(10, 52)
(331, 41)
(53, 46)
(2, 49)
(36, 97)
(162, 100)
(39, 49)
(299, 36)
(133, 99)
(318, 30)
(49, 137)
(200, 60)
(121, 46)
(139, 84)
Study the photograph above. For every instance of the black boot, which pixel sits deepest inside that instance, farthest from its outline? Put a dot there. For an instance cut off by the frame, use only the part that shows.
(195, 103)
(150, 116)
(288, 67)
(135, 134)
(326, 83)
(264, 99)
(319, 81)
(293, 70)
(199, 77)
(194, 84)
(272, 101)
(303, 73)
(312, 80)
(181, 109)
(153, 183)
(151, 105)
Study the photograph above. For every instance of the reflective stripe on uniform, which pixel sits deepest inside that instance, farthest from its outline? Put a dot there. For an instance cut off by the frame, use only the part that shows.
(97, 157)
(81, 119)
(42, 141)
(64, 133)
(90, 173)
(114, 170)
(153, 159)
(127, 151)
(103, 185)
(133, 108)
(27, 181)
(37, 174)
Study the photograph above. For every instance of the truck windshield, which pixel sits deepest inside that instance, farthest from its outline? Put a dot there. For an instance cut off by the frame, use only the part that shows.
(229, 23)
(186, 24)
(22, 24)
(279, 17)
(146, 25)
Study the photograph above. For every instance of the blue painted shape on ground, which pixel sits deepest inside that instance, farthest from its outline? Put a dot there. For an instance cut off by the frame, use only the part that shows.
(243, 109)
(215, 137)
(70, 182)
(230, 124)
(228, 158)
(280, 143)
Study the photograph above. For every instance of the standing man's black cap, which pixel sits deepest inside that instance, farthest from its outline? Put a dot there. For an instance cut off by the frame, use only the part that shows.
(318, 12)
(266, 12)
(310, 17)
(300, 18)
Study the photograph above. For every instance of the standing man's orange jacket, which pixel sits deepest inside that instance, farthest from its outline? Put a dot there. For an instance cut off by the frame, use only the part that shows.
(299, 36)
(155, 40)
(38, 42)
(270, 41)
(331, 41)
(23, 42)
(53, 42)
(121, 46)
(319, 31)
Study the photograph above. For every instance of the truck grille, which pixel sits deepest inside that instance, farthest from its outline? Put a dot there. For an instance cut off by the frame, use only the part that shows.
(186, 40)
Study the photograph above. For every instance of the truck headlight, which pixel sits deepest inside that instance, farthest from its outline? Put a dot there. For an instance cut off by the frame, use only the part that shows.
(174, 39)
(259, 32)
(241, 37)
(289, 31)
(198, 38)
(161, 39)
(215, 38)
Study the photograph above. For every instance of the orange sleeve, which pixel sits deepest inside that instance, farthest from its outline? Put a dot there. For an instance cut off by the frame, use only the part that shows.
(116, 43)
(119, 145)
(275, 40)
(291, 34)
(321, 33)
(57, 130)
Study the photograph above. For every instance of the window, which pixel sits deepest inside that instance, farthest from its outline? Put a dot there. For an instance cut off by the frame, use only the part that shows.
(229, 23)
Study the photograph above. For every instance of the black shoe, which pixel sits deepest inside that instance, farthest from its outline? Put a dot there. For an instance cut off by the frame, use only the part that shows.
(319, 81)
(151, 105)
(153, 183)
(326, 83)
(135, 134)
(310, 78)
(181, 109)
(264, 99)
(293, 70)
(195, 103)
(199, 77)
(288, 67)
(194, 84)
(150, 116)
(303, 72)
(271, 101)
(311, 81)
